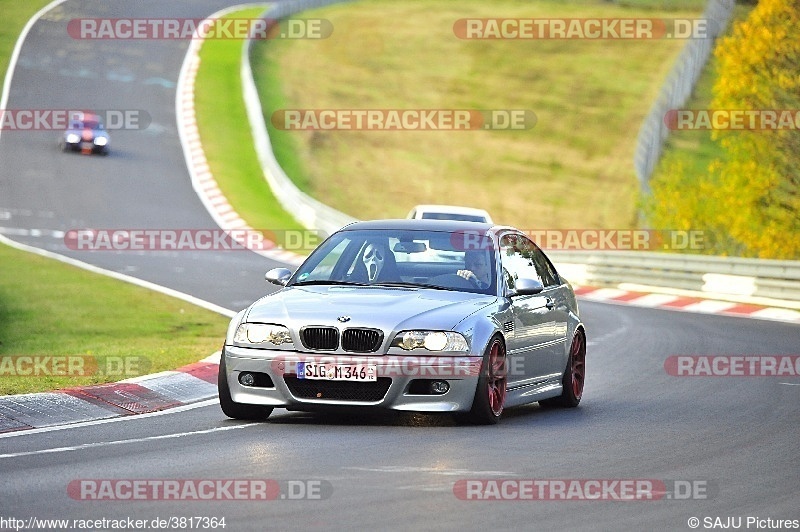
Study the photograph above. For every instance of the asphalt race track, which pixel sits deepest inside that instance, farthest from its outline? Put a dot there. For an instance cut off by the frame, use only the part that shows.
(144, 183)
(732, 440)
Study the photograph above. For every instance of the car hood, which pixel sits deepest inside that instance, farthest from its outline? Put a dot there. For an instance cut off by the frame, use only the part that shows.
(388, 309)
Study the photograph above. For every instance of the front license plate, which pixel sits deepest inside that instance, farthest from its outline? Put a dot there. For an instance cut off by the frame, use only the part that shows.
(337, 372)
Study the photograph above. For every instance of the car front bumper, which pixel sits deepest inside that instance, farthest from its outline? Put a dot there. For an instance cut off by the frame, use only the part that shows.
(403, 381)
(85, 146)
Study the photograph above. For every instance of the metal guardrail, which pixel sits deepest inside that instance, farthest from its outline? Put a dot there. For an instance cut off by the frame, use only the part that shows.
(308, 211)
(677, 89)
(774, 279)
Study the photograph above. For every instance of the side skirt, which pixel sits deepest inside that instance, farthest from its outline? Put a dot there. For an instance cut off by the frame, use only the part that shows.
(522, 395)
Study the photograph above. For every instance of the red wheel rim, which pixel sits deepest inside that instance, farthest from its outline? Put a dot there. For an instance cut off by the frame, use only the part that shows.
(496, 379)
(578, 361)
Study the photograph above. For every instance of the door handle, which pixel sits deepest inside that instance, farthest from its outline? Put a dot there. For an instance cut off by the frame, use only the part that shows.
(549, 304)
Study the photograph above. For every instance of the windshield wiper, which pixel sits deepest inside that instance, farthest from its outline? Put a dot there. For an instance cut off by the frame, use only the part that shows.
(413, 285)
(321, 281)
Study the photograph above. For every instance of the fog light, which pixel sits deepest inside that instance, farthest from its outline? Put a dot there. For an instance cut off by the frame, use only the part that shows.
(439, 387)
(247, 379)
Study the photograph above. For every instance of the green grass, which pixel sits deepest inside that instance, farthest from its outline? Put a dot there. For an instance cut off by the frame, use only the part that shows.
(51, 309)
(15, 15)
(574, 169)
(225, 134)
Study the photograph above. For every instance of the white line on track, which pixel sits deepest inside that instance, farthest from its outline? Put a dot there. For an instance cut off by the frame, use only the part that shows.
(120, 276)
(123, 442)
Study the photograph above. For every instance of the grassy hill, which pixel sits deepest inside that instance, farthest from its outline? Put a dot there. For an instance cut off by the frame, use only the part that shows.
(572, 170)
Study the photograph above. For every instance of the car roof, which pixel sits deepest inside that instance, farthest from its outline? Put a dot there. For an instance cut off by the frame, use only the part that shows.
(449, 208)
(420, 225)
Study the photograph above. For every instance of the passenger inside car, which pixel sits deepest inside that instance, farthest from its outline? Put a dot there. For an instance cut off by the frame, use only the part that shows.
(377, 264)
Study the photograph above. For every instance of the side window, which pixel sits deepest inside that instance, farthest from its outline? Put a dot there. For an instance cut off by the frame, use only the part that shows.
(546, 271)
(522, 258)
(517, 259)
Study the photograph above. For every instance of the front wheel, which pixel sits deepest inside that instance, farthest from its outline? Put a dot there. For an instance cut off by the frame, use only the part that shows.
(574, 376)
(490, 394)
(237, 410)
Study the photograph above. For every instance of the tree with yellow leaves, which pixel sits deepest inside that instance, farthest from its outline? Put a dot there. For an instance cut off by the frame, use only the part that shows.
(749, 201)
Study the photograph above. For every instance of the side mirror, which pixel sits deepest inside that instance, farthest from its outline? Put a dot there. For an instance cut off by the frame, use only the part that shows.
(278, 276)
(525, 287)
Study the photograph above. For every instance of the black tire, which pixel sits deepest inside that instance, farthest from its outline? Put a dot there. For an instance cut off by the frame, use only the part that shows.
(237, 410)
(574, 376)
(490, 394)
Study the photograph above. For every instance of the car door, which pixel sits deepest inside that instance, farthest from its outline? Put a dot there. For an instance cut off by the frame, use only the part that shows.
(557, 294)
(533, 349)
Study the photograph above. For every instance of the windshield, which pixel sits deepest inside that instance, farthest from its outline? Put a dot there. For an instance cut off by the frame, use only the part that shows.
(86, 124)
(453, 216)
(425, 259)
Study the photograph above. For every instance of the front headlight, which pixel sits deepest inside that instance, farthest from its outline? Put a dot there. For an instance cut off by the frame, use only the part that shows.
(262, 333)
(100, 141)
(431, 340)
(73, 138)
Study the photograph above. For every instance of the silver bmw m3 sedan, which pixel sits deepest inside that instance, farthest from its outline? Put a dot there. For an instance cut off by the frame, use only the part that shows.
(429, 316)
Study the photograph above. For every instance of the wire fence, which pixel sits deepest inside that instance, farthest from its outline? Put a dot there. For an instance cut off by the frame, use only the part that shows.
(677, 89)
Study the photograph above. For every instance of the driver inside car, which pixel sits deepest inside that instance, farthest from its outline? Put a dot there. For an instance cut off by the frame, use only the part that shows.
(476, 269)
